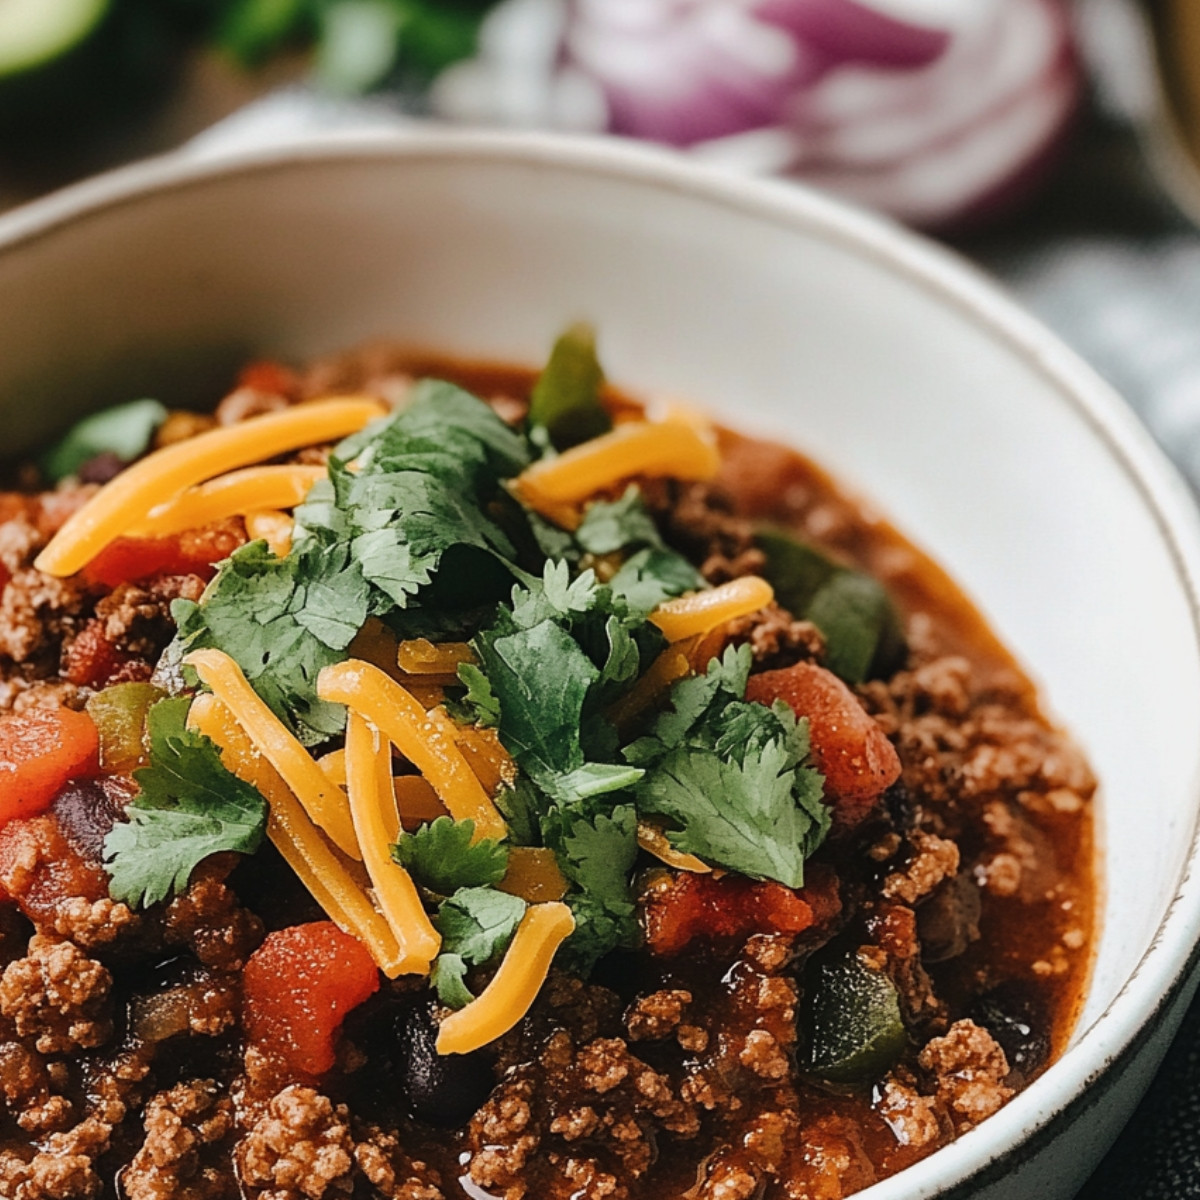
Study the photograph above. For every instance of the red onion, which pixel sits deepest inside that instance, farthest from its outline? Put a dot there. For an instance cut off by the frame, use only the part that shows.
(928, 109)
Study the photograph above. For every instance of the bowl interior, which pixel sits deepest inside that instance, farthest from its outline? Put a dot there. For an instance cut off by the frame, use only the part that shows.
(781, 314)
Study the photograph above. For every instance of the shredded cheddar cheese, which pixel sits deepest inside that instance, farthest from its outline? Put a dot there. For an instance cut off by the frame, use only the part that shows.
(419, 656)
(327, 878)
(373, 807)
(672, 447)
(323, 800)
(273, 527)
(515, 986)
(416, 800)
(236, 494)
(701, 612)
(426, 739)
(533, 874)
(672, 664)
(652, 839)
(128, 498)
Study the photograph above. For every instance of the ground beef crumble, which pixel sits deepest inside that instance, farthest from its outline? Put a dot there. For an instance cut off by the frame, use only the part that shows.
(300, 1149)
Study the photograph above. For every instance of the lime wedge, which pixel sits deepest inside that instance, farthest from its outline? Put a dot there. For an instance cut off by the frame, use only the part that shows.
(36, 32)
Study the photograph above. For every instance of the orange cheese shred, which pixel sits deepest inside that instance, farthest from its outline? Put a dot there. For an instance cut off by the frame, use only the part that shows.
(699, 612)
(297, 839)
(652, 839)
(426, 739)
(416, 801)
(373, 807)
(236, 494)
(515, 986)
(533, 874)
(322, 799)
(129, 497)
(419, 656)
(673, 447)
(674, 663)
(273, 527)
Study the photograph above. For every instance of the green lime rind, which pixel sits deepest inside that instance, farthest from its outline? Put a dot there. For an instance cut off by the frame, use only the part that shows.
(34, 33)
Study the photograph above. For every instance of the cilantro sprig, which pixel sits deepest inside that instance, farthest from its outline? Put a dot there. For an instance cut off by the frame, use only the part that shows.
(441, 858)
(409, 518)
(189, 807)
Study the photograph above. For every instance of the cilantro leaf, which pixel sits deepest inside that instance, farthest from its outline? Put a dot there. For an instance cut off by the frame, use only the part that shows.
(520, 806)
(597, 852)
(405, 511)
(566, 397)
(652, 576)
(541, 678)
(281, 620)
(441, 858)
(609, 526)
(449, 978)
(477, 923)
(758, 817)
(481, 702)
(189, 807)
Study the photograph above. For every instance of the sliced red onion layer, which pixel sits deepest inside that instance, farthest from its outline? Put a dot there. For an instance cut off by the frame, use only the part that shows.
(927, 109)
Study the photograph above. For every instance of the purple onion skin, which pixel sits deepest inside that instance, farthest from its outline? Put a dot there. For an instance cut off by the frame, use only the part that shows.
(844, 31)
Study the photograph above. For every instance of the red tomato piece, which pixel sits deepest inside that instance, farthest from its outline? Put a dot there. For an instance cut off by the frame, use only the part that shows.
(92, 660)
(731, 907)
(299, 986)
(40, 869)
(271, 377)
(848, 747)
(128, 560)
(39, 751)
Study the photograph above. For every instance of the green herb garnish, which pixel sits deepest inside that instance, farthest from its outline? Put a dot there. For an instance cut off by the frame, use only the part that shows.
(124, 430)
(566, 398)
(189, 807)
(441, 858)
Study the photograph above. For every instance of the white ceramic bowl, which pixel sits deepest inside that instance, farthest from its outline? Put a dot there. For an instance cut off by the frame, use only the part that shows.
(782, 312)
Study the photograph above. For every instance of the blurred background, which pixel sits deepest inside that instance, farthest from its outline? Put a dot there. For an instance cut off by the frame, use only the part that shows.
(1054, 142)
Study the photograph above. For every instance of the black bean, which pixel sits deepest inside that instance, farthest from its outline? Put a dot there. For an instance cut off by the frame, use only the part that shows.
(440, 1089)
(948, 921)
(86, 812)
(1015, 1015)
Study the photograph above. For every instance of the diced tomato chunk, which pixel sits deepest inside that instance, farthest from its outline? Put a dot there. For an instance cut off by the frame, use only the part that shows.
(40, 869)
(92, 660)
(848, 747)
(270, 377)
(39, 751)
(730, 907)
(299, 986)
(131, 560)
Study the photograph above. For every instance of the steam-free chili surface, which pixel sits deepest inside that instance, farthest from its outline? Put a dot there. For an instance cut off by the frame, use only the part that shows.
(231, 1041)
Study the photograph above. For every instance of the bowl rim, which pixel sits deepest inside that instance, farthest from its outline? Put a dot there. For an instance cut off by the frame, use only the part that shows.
(1169, 964)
